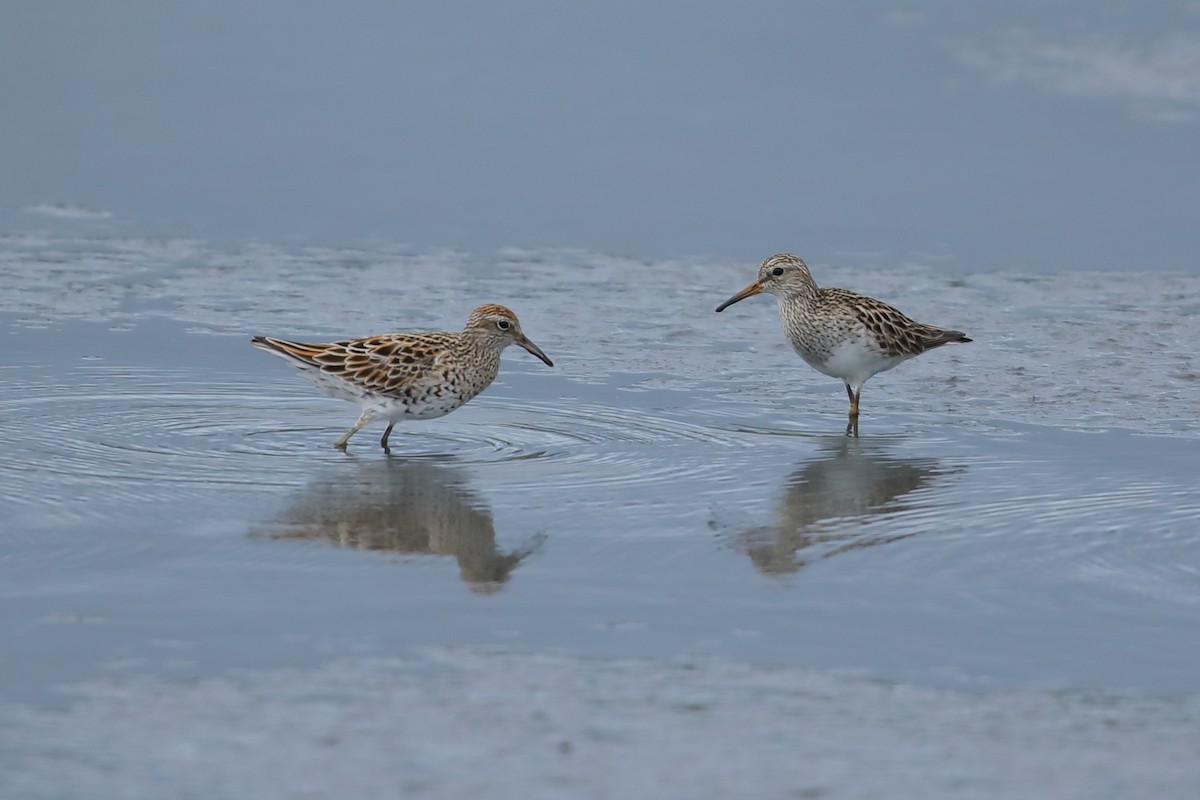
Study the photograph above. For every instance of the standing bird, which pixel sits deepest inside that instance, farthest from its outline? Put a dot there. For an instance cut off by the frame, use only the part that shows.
(840, 333)
(397, 376)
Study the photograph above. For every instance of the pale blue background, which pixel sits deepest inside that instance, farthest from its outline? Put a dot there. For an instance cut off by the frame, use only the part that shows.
(1030, 135)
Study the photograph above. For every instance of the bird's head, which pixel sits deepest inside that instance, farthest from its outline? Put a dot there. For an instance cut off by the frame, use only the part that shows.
(782, 274)
(499, 327)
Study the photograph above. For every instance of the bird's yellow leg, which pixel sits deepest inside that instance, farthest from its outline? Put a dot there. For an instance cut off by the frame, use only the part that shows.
(363, 419)
(852, 423)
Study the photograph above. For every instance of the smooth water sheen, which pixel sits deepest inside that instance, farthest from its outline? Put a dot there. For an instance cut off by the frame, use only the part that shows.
(1019, 515)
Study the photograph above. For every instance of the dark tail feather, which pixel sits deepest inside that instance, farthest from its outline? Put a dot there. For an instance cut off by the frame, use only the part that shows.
(269, 344)
(938, 337)
(295, 351)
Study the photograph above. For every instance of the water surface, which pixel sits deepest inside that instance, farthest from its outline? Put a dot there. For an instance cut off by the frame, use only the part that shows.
(1019, 514)
(659, 568)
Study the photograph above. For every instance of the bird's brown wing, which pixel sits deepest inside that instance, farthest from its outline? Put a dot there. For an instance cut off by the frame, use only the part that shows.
(896, 333)
(387, 363)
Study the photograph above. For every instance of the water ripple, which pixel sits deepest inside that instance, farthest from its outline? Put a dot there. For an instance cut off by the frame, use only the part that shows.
(135, 433)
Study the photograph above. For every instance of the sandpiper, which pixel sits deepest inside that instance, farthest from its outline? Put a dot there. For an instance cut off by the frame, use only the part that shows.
(397, 376)
(840, 333)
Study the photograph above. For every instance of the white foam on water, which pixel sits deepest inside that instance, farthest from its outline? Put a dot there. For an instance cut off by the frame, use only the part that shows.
(68, 211)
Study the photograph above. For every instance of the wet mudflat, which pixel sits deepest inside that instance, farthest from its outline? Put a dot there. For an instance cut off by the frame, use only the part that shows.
(673, 508)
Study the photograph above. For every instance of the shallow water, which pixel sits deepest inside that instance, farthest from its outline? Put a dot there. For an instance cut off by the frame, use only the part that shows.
(1019, 514)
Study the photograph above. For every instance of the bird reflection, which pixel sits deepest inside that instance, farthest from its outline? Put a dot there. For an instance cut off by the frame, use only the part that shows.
(829, 498)
(405, 507)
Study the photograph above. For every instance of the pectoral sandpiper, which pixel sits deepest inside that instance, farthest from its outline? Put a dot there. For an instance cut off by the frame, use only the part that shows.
(840, 333)
(395, 376)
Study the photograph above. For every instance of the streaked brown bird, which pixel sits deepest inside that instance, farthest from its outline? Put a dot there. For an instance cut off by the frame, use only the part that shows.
(840, 333)
(395, 376)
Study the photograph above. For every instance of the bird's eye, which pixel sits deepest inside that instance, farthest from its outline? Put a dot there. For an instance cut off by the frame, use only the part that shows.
(777, 271)
(502, 324)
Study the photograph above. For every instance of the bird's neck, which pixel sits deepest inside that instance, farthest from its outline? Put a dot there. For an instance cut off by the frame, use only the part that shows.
(798, 297)
(485, 348)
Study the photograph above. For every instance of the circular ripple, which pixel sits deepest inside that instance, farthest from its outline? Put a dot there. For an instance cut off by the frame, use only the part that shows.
(581, 444)
(114, 432)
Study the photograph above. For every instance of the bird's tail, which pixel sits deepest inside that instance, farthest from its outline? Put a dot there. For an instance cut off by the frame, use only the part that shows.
(296, 352)
(951, 337)
(933, 337)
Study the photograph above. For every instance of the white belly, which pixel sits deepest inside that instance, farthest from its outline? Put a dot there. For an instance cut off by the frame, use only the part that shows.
(428, 408)
(428, 404)
(853, 362)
